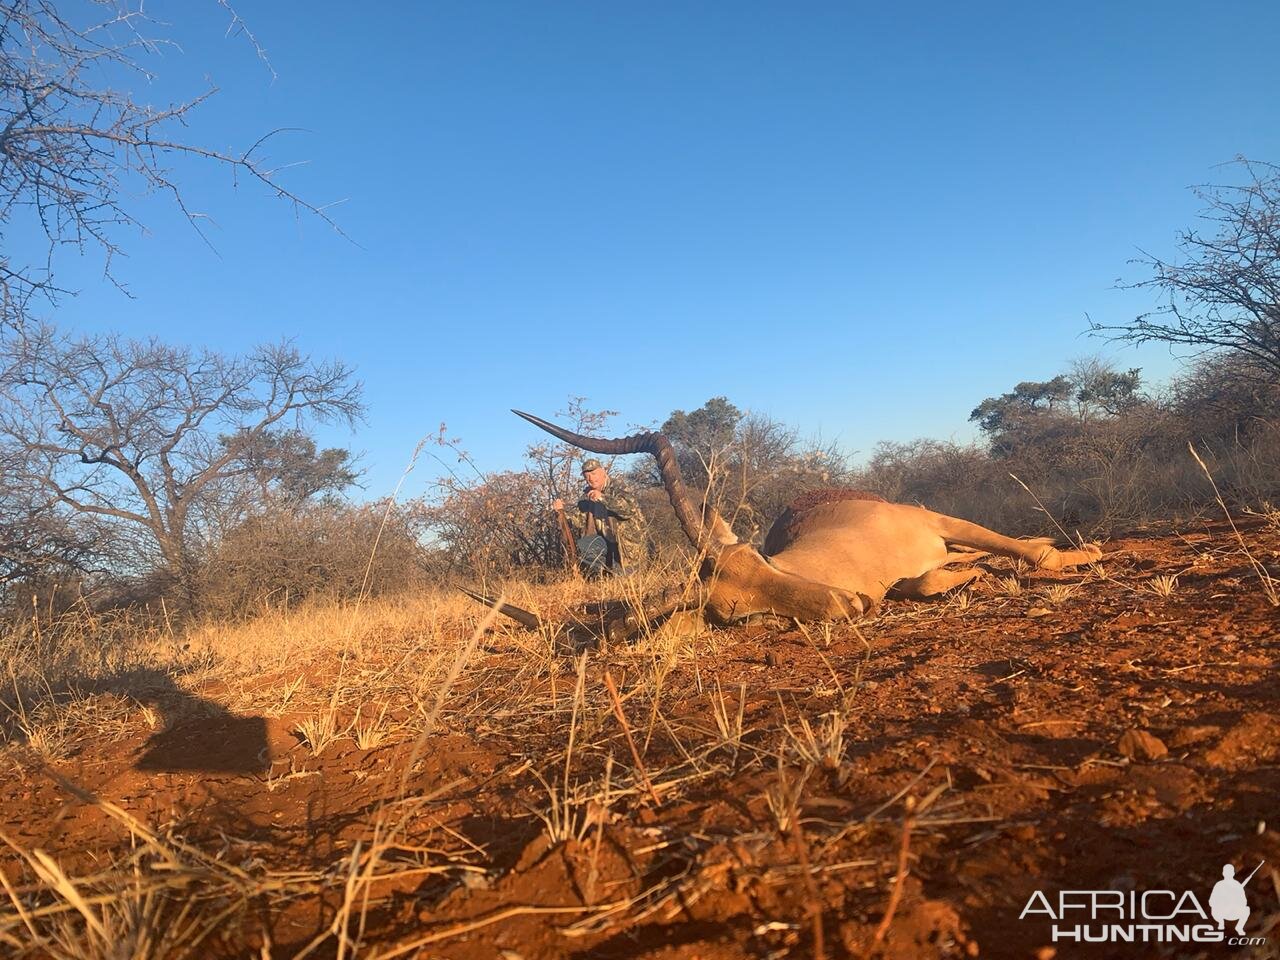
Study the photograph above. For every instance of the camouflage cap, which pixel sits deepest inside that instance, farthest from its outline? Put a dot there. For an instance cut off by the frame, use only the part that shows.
(591, 463)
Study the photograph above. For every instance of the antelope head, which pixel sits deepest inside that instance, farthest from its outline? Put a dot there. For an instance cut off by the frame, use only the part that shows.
(737, 580)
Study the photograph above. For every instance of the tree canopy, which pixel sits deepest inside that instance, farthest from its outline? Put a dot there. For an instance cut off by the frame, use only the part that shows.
(158, 440)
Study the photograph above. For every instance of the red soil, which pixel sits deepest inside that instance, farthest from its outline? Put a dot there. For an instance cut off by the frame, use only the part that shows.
(991, 735)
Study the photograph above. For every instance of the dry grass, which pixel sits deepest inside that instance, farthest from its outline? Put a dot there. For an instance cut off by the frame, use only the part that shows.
(321, 730)
(164, 899)
(783, 796)
(1268, 513)
(821, 747)
(390, 669)
(729, 721)
(371, 732)
(1009, 586)
(160, 901)
(1059, 593)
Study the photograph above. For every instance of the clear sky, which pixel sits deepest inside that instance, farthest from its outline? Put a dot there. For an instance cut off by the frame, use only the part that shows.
(862, 219)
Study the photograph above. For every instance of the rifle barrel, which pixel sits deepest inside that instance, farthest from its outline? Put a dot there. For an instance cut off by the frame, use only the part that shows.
(1250, 876)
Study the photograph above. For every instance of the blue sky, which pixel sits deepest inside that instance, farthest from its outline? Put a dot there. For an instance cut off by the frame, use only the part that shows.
(860, 219)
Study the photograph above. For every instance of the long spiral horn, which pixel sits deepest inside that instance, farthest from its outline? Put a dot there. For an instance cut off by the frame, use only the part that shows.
(657, 445)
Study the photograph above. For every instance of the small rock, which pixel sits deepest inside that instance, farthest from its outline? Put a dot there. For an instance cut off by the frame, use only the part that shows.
(477, 881)
(1140, 745)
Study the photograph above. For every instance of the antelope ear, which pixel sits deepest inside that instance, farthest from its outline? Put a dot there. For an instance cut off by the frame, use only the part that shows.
(722, 534)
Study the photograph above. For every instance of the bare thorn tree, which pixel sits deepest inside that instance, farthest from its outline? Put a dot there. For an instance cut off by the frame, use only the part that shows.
(150, 438)
(1224, 294)
(75, 144)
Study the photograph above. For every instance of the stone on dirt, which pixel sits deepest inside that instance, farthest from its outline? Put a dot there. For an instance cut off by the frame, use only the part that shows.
(1140, 745)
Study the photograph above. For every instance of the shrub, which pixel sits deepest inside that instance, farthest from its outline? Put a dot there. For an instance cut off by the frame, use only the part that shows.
(333, 550)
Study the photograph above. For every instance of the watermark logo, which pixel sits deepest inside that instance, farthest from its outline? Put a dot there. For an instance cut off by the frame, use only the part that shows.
(1147, 916)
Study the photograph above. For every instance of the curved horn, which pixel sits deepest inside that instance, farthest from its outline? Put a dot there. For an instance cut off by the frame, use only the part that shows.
(660, 447)
(517, 614)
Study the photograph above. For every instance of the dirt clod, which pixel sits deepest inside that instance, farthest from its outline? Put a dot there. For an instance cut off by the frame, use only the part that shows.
(1141, 745)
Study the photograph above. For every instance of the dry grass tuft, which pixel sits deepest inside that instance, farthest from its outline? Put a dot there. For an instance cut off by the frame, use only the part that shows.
(783, 796)
(823, 747)
(1010, 586)
(1269, 514)
(728, 721)
(321, 730)
(371, 732)
(1059, 593)
(159, 902)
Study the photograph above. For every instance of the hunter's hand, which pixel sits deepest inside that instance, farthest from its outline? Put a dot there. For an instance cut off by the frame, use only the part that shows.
(557, 505)
(595, 495)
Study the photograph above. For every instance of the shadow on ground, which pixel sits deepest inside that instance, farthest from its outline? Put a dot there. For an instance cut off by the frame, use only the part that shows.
(197, 734)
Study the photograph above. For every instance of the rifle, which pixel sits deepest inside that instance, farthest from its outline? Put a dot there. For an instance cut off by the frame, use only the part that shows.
(617, 542)
(1250, 876)
(570, 546)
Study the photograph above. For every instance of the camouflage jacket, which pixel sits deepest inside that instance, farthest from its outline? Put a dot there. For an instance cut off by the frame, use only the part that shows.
(620, 504)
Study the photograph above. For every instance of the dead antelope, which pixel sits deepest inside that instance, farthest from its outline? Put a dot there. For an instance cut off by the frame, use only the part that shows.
(833, 554)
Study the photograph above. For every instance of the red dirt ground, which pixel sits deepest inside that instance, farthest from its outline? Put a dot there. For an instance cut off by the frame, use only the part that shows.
(999, 738)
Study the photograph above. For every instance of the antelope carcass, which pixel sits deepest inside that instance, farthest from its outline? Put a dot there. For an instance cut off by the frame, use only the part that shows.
(833, 554)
